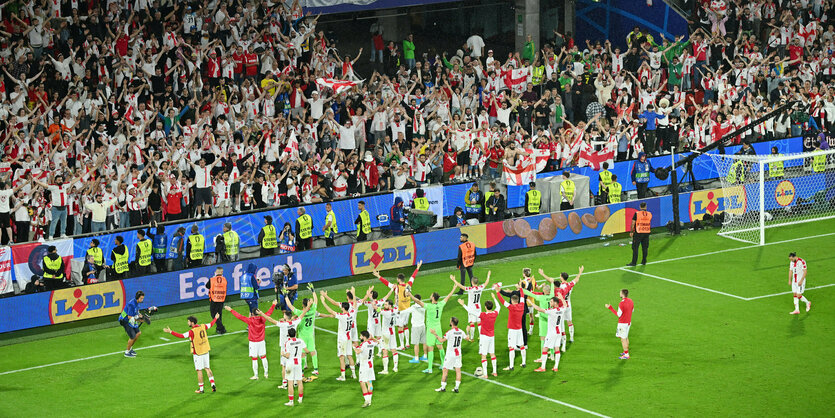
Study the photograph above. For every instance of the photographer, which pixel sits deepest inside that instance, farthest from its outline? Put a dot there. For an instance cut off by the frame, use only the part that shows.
(286, 287)
(286, 240)
(35, 285)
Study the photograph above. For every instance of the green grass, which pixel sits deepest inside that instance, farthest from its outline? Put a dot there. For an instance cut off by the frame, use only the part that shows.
(694, 352)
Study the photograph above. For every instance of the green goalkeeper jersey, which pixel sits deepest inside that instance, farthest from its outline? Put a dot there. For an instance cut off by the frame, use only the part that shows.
(544, 302)
(306, 327)
(434, 312)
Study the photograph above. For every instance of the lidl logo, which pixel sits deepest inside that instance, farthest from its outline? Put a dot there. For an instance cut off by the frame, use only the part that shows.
(784, 193)
(84, 302)
(384, 254)
(731, 200)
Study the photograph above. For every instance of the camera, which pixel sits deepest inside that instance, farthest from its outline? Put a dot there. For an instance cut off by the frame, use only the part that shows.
(278, 280)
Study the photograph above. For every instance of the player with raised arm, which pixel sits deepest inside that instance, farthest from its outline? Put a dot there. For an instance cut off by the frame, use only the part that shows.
(434, 312)
(345, 319)
(418, 331)
(289, 321)
(797, 280)
(199, 348)
(515, 339)
(473, 301)
(403, 302)
(256, 326)
(624, 314)
(552, 340)
(486, 332)
(365, 357)
(388, 316)
(373, 324)
(454, 337)
(307, 328)
(565, 288)
(292, 351)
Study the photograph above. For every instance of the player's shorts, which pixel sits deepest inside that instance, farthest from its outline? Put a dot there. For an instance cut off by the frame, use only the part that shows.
(402, 319)
(623, 331)
(418, 335)
(798, 289)
(309, 339)
(389, 341)
(257, 349)
(552, 340)
(543, 325)
(431, 339)
(486, 345)
(566, 316)
(366, 374)
(473, 319)
(293, 371)
(343, 348)
(201, 361)
(515, 338)
(375, 330)
(452, 361)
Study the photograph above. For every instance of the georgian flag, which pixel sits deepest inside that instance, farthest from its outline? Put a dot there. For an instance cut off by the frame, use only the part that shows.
(292, 147)
(526, 167)
(338, 86)
(573, 149)
(595, 159)
(515, 77)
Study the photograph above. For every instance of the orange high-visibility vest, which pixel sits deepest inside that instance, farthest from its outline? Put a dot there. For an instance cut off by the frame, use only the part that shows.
(218, 291)
(467, 253)
(643, 223)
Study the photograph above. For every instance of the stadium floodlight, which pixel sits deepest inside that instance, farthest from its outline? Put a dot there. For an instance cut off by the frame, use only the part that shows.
(769, 191)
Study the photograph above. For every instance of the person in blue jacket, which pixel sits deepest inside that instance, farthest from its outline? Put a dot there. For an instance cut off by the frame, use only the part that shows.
(397, 218)
(159, 246)
(249, 287)
(641, 170)
(652, 124)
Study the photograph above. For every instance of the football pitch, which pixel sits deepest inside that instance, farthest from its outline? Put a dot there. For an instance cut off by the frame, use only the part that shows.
(711, 335)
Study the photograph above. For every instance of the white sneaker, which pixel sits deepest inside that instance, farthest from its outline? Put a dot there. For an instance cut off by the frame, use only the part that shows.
(384, 372)
(289, 403)
(300, 401)
(63, 235)
(282, 386)
(254, 377)
(395, 369)
(265, 376)
(341, 378)
(366, 404)
(808, 308)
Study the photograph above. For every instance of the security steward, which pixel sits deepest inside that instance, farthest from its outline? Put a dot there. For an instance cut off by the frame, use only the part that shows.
(533, 200)
(736, 174)
(304, 230)
(466, 259)
(363, 222)
(119, 255)
(775, 169)
(641, 226)
(217, 295)
(421, 218)
(421, 202)
(604, 180)
(818, 161)
(567, 189)
(330, 229)
(97, 254)
(473, 202)
(615, 190)
(160, 246)
(53, 270)
(194, 248)
(232, 241)
(488, 214)
(267, 238)
(141, 265)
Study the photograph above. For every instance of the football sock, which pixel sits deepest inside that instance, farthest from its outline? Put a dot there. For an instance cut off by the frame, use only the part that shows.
(796, 304)
(406, 335)
(544, 358)
(803, 299)
(201, 386)
(571, 332)
(524, 357)
(443, 385)
(385, 362)
(291, 397)
(431, 359)
(342, 372)
(316, 362)
(254, 367)
(495, 364)
(301, 395)
(557, 355)
(266, 365)
(353, 372)
(512, 356)
(212, 380)
(396, 360)
(457, 384)
(401, 335)
(484, 366)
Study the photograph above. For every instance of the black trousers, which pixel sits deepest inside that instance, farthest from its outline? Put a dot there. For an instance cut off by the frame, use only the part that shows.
(643, 189)
(138, 271)
(160, 264)
(566, 206)
(217, 308)
(362, 237)
(329, 242)
(266, 252)
(525, 327)
(304, 244)
(643, 241)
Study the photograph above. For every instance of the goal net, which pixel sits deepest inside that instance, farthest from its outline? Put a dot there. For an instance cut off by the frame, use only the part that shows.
(767, 191)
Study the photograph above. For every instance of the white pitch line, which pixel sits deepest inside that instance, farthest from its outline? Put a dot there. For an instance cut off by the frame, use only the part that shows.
(789, 293)
(682, 283)
(164, 339)
(506, 386)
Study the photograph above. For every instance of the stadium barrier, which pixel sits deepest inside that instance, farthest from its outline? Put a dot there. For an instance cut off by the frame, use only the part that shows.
(446, 198)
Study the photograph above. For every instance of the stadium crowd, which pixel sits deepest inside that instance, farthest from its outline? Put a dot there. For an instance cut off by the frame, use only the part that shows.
(116, 114)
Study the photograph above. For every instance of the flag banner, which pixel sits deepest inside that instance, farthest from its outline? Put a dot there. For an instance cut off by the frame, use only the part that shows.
(6, 284)
(338, 86)
(28, 258)
(526, 167)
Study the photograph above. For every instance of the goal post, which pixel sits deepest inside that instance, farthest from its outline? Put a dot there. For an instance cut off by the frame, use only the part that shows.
(775, 190)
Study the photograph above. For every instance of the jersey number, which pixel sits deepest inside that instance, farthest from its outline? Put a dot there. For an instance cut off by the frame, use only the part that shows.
(297, 352)
(437, 314)
(202, 333)
(456, 342)
(308, 322)
(476, 298)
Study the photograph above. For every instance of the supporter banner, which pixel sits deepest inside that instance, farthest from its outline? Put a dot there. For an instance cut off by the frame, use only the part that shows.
(28, 258)
(435, 195)
(6, 284)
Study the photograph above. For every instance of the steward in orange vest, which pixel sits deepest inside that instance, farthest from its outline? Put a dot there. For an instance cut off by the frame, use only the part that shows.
(466, 259)
(217, 295)
(641, 227)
